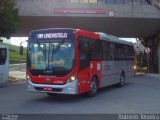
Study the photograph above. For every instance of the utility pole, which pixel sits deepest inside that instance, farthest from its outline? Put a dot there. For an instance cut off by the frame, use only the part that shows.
(147, 50)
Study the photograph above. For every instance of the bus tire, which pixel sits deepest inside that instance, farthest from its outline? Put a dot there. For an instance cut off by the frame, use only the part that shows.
(122, 79)
(93, 87)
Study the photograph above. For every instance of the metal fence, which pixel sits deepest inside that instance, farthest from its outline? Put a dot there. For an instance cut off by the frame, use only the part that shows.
(127, 1)
(97, 1)
(112, 1)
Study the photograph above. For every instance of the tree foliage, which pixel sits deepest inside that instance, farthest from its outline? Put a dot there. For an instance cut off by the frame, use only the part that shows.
(9, 18)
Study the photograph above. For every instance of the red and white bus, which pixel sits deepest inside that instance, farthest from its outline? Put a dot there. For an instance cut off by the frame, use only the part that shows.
(74, 61)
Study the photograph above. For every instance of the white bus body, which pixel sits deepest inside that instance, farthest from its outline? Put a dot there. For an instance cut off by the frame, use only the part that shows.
(4, 63)
(111, 70)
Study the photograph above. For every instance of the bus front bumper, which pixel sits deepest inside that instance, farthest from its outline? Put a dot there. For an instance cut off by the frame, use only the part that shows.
(68, 88)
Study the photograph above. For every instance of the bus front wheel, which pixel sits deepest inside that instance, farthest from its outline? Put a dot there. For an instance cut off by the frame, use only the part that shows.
(93, 87)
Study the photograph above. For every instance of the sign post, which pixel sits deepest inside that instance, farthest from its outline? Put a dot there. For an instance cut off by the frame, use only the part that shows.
(147, 50)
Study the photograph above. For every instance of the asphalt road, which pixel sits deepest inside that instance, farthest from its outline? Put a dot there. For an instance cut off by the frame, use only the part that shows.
(140, 95)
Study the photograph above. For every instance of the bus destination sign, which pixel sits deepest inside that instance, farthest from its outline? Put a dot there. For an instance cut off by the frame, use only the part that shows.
(51, 35)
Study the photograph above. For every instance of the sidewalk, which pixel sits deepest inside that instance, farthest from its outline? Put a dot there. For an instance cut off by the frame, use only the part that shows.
(16, 76)
(17, 73)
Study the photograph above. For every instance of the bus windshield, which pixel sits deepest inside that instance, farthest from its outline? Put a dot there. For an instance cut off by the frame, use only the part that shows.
(54, 57)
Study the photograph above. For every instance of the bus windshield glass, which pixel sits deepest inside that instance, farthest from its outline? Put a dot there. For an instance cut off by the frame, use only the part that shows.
(55, 57)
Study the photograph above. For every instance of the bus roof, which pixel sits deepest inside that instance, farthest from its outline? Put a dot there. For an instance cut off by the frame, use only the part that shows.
(112, 38)
(49, 29)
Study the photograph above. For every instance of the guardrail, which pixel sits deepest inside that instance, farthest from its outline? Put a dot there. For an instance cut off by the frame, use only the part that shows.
(16, 61)
(132, 2)
(12, 65)
(128, 1)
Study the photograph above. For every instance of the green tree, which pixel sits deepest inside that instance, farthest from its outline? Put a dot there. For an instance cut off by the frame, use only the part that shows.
(9, 18)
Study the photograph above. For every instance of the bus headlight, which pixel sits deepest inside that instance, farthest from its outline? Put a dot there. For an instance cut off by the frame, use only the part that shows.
(72, 78)
(27, 77)
(134, 67)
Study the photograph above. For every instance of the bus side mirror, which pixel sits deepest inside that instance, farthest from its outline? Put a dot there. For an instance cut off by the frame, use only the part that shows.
(21, 50)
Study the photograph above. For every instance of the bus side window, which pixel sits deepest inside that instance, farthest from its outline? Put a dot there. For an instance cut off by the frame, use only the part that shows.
(3, 55)
(83, 53)
(112, 49)
(119, 52)
(96, 50)
(107, 51)
(129, 52)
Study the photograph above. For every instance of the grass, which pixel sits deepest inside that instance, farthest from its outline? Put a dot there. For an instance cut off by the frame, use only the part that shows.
(14, 55)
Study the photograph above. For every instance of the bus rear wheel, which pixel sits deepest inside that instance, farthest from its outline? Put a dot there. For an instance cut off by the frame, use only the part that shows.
(93, 87)
(122, 80)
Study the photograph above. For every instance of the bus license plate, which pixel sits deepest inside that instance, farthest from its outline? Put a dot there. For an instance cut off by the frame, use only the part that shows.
(47, 89)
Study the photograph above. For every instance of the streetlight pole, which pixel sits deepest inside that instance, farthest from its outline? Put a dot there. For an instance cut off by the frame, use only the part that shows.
(21, 50)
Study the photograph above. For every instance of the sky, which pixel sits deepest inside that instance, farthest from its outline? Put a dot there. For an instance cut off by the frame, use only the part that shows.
(17, 40)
